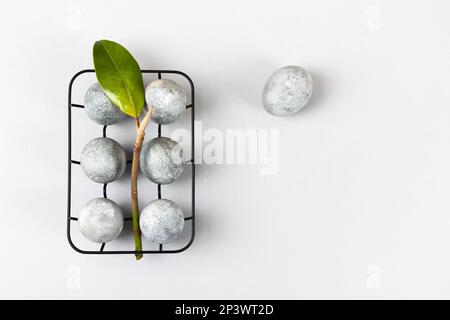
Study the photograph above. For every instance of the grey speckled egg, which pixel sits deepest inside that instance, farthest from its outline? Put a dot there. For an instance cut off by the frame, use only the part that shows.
(161, 221)
(103, 160)
(287, 91)
(101, 220)
(99, 108)
(162, 160)
(167, 98)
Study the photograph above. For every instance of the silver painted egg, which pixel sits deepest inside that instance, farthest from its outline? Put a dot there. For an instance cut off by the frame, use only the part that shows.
(161, 221)
(103, 160)
(101, 220)
(99, 108)
(161, 160)
(168, 100)
(287, 91)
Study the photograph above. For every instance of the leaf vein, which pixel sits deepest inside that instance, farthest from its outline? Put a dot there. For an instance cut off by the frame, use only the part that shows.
(121, 79)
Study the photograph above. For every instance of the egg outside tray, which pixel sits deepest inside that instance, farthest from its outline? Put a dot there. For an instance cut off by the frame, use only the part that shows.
(72, 162)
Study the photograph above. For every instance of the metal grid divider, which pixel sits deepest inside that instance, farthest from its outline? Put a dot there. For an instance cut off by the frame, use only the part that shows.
(75, 162)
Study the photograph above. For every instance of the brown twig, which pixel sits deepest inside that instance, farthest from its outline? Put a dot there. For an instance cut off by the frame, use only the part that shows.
(140, 132)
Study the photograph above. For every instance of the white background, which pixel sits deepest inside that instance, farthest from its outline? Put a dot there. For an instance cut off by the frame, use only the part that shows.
(359, 207)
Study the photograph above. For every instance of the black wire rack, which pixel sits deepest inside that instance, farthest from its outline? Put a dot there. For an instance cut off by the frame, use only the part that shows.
(72, 162)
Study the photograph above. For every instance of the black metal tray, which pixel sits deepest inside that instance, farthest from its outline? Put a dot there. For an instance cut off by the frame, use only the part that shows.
(71, 162)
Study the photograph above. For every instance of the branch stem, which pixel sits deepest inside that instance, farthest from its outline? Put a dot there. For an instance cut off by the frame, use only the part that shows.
(140, 133)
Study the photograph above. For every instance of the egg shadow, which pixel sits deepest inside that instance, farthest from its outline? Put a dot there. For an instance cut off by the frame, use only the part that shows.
(127, 231)
(204, 228)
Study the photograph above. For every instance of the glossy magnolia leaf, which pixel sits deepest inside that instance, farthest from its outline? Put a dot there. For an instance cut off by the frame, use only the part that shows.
(119, 76)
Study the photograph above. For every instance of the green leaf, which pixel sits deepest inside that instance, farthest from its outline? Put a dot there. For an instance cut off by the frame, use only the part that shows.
(120, 77)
